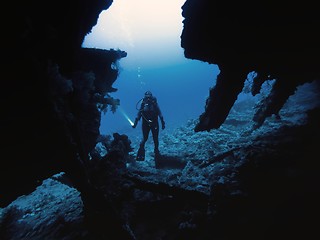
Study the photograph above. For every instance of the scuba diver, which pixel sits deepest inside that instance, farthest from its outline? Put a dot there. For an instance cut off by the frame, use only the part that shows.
(149, 112)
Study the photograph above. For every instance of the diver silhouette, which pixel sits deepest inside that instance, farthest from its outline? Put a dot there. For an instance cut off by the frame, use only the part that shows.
(149, 112)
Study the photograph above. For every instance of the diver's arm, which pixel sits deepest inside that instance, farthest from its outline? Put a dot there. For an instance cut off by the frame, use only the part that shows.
(161, 117)
(139, 115)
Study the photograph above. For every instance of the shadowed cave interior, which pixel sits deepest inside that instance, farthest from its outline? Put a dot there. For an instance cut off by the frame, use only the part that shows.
(242, 169)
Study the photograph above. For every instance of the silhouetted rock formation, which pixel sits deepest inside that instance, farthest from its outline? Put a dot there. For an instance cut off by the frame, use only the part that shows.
(50, 92)
(232, 183)
(277, 41)
(52, 97)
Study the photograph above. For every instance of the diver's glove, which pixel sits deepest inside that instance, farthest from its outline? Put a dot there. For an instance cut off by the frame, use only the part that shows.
(163, 124)
(135, 123)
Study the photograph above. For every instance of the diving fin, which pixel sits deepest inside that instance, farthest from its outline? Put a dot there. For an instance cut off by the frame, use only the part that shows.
(140, 154)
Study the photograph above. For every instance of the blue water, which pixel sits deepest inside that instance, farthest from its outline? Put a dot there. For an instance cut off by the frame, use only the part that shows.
(181, 90)
(149, 31)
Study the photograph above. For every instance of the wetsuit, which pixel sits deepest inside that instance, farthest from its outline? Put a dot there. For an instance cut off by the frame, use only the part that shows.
(149, 112)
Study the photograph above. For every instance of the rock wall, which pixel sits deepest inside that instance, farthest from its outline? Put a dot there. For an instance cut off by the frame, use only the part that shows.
(277, 41)
(50, 92)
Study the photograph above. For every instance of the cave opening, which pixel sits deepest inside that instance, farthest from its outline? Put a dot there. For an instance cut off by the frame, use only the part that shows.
(149, 31)
(258, 183)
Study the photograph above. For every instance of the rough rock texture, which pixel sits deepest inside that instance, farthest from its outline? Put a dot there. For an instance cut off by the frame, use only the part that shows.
(53, 92)
(277, 41)
(50, 93)
(49, 212)
(228, 183)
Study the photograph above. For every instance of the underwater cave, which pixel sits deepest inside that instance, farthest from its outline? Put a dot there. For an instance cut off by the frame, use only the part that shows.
(237, 144)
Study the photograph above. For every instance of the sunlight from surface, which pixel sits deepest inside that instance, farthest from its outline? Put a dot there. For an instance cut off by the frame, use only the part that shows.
(148, 30)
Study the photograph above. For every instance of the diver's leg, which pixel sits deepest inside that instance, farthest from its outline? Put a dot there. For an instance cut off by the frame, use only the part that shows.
(141, 150)
(155, 136)
(145, 134)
